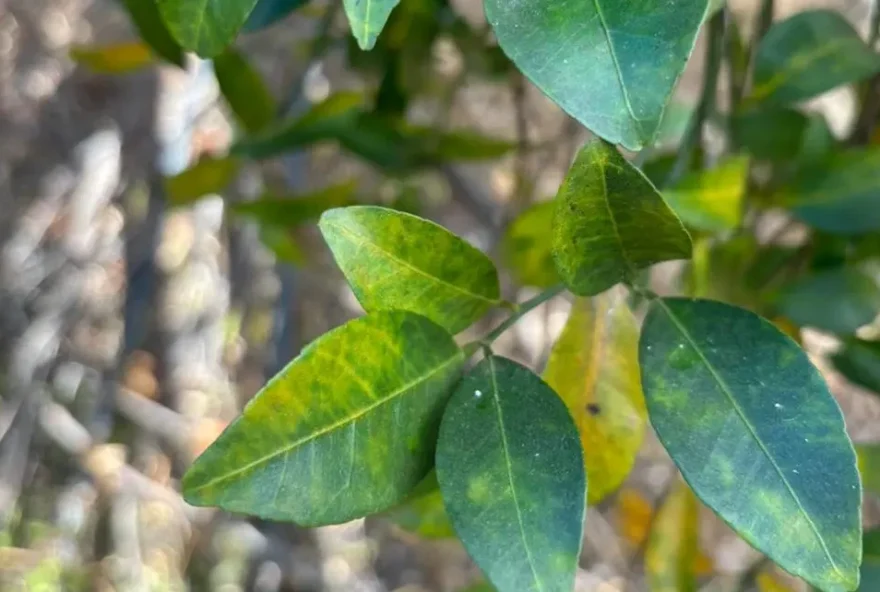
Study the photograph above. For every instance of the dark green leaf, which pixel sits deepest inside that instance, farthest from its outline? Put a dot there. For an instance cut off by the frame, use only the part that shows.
(525, 247)
(292, 210)
(120, 58)
(636, 52)
(818, 141)
(394, 260)
(711, 200)
(751, 425)
(511, 470)
(871, 563)
(610, 222)
(205, 26)
(463, 145)
(151, 28)
(770, 134)
(807, 54)
(367, 18)
(208, 176)
(244, 91)
(673, 544)
(346, 429)
(859, 362)
(837, 300)
(269, 12)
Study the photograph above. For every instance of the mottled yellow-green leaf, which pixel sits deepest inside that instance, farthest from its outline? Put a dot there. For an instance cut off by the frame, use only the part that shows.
(711, 200)
(424, 513)
(526, 248)
(594, 367)
(346, 429)
(120, 58)
(207, 177)
(673, 544)
(244, 91)
(400, 261)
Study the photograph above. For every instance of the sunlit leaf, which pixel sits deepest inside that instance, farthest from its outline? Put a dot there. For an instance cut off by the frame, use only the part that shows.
(424, 513)
(152, 30)
(807, 54)
(394, 260)
(269, 12)
(610, 223)
(628, 56)
(207, 177)
(594, 367)
(120, 58)
(289, 211)
(346, 429)
(837, 300)
(859, 362)
(751, 425)
(673, 546)
(244, 91)
(367, 19)
(511, 470)
(205, 26)
(525, 247)
(711, 200)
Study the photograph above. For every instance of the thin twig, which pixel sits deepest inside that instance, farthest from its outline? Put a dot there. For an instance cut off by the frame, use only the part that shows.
(520, 312)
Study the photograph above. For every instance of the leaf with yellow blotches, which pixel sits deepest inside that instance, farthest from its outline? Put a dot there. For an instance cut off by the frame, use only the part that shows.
(673, 546)
(120, 58)
(767, 582)
(594, 368)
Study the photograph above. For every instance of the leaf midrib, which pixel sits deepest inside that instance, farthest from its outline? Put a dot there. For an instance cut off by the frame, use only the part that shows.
(751, 429)
(631, 270)
(350, 419)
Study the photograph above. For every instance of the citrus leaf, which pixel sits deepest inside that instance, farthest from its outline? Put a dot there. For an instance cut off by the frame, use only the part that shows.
(854, 294)
(525, 247)
(268, 12)
(637, 53)
(711, 200)
(152, 30)
(673, 546)
(346, 429)
(424, 513)
(244, 91)
(208, 176)
(120, 58)
(859, 362)
(461, 145)
(869, 467)
(293, 210)
(870, 580)
(756, 434)
(807, 54)
(205, 26)
(594, 367)
(367, 18)
(769, 134)
(394, 260)
(610, 223)
(511, 471)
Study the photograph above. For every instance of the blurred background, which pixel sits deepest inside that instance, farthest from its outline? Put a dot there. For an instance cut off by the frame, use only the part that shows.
(134, 325)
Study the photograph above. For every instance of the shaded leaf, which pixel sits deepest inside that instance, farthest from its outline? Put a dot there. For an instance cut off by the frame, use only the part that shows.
(293, 210)
(463, 146)
(268, 12)
(807, 54)
(152, 30)
(205, 26)
(281, 242)
(244, 91)
(818, 141)
(751, 425)
(871, 564)
(367, 18)
(594, 367)
(511, 470)
(711, 200)
(770, 134)
(638, 54)
(859, 362)
(610, 223)
(674, 124)
(853, 295)
(208, 176)
(869, 467)
(346, 429)
(120, 58)
(424, 513)
(526, 248)
(673, 547)
(394, 260)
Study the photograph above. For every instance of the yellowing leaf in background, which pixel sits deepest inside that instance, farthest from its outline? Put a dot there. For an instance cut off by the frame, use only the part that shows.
(711, 200)
(673, 545)
(767, 582)
(120, 58)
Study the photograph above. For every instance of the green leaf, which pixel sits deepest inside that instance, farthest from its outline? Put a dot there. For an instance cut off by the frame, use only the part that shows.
(610, 223)
(525, 247)
(346, 429)
(205, 26)
(711, 200)
(594, 367)
(859, 362)
(871, 565)
(869, 467)
(424, 513)
(367, 18)
(673, 543)
(462, 146)
(807, 54)
(394, 260)
(837, 300)
(119, 58)
(770, 134)
(244, 91)
(268, 12)
(751, 425)
(152, 30)
(208, 176)
(283, 243)
(636, 52)
(511, 470)
(841, 194)
(293, 210)
(818, 141)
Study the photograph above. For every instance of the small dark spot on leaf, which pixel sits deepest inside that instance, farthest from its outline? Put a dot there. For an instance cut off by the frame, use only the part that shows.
(593, 409)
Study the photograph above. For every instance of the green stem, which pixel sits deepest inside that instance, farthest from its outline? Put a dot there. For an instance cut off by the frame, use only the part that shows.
(519, 312)
(763, 23)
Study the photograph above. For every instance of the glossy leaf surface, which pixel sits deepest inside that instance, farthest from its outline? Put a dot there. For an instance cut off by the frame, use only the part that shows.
(152, 30)
(526, 247)
(289, 211)
(751, 425)
(610, 223)
(120, 58)
(208, 176)
(268, 12)
(673, 544)
(637, 52)
(244, 91)
(394, 260)
(511, 470)
(367, 18)
(807, 54)
(348, 428)
(594, 367)
(837, 300)
(859, 362)
(205, 26)
(711, 200)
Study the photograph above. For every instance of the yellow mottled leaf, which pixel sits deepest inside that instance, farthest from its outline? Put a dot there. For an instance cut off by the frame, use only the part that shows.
(119, 58)
(594, 368)
(767, 582)
(711, 200)
(634, 515)
(673, 546)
